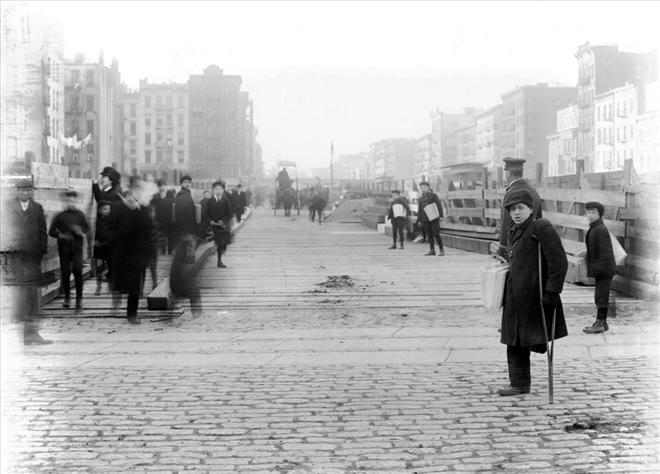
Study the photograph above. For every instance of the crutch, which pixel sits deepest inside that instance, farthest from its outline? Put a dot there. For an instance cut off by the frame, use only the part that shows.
(549, 341)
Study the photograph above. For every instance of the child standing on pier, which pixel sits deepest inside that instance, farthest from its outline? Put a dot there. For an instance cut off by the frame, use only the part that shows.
(600, 264)
(398, 216)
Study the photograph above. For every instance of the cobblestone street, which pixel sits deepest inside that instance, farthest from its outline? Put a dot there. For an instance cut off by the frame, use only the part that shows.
(320, 351)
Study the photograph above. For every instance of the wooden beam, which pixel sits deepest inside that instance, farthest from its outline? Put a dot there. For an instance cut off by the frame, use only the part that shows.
(493, 212)
(465, 212)
(493, 194)
(580, 222)
(468, 228)
(466, 194)
(606, 198)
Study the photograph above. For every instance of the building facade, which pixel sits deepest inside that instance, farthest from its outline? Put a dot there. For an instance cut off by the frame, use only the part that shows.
(93, 134)
(422, 169)
(562, 145)
(602, 68)
(528, 117)
(393, 159)
(487, 138)
(647, 132)
(444, 145)
(614, 124)
(219, 114)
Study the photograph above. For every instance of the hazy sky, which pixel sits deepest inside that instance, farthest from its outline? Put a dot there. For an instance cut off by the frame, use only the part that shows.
(352, 72)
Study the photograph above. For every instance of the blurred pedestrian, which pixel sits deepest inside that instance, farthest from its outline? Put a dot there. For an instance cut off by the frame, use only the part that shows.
(523, 327)
(220, 217)
(132, 249)
(241, 203)
(600, 264)
(204, 226)
(185, 220)
(428, 215)
(398, 216)
(70, 227)
(163, 208)
(106, 189)
(183, 274)
(28, 243)
(103, 245)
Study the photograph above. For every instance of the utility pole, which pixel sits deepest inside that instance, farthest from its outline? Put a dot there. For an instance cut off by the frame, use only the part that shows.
(332, 164)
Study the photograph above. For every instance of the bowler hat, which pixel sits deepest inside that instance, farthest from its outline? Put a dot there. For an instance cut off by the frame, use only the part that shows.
(424, 183)
(70, 192)
(24, 183)
(185, 177)
(395, 191)
(519, 196)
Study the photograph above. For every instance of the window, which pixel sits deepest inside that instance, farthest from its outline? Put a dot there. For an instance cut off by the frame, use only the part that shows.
(90, 127)
(180, 139)
(180, 100)
(133, 110)
(147, 122)
(75, 76)
(159, 121)
(133, 129)
(90, 103)
(159, 100)
(147, 101)
(147, 156)
(89, 77)
(132, 147)
(168, 155)
(159, 137)
(180, 156)
(147, 138)
(180, 120)
(169, 120)
(168, 100)
(159, 156)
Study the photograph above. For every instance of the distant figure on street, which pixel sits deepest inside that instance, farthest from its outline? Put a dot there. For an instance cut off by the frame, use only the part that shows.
(514, 176)
(103, 244)
(133, 248)
(318, 203)
(185, 222)
(241, 203)
(398, 216)
(283, 179)
(522, 321)
(220, 217)
(600, 264)
(106, 189)
(163, 208)
(204, 226)
(183, 274)
(28, 243)
(428, 216)
(70, 227)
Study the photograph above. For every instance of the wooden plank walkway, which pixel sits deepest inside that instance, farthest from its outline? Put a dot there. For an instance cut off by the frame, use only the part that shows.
(280, 262)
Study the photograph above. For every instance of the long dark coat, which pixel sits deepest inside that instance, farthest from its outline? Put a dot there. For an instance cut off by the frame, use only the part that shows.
(184, 213)
(112, 195)
(133, 247)
(506, 218)
(521, 317)
(600, 256)
(27, 239)
(163, 211)
(221, 210)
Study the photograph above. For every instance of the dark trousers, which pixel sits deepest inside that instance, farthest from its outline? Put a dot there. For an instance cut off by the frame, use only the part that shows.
(239, 215)
(71, 262)
(398, 228)
(102, 264)
(132, 304)
(432, 231)
(602, 292)
(519, 367)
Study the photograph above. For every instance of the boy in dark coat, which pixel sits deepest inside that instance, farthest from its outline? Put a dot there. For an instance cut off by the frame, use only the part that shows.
(220, 214)
(69, 227)
(430, 221)
(27, 240)
(398, 216)
(185, 221)
(103, 244)
(132, 249)
(163, 204)
(522, 324)
(600, 264)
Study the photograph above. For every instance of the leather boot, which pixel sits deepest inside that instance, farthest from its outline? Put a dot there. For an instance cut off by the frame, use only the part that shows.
(597, 327)
(511, 391)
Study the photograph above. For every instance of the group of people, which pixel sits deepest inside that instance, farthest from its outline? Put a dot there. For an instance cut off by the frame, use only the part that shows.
(532, 313)
(132, 227)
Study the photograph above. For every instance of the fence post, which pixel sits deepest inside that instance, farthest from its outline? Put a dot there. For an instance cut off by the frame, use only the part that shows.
(500, 177)
(579, 172)
(628, 172)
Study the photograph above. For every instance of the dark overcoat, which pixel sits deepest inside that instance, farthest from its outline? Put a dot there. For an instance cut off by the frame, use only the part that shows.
(600, 256)
(111, 195)
(133, 247)
(506, 221)
(27, 240)
(184, 213)
(221, 210)
(521, 316)
(163, 211)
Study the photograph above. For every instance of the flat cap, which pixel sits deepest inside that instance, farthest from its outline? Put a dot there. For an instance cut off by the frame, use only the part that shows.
(518, 196)
(185, 177)
(510, 162)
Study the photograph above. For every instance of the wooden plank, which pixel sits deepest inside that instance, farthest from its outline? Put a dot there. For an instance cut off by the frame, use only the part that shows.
(633, 213)
(466, 194)
(468, 228)
(580, 222)
(465, 212)
(573, 247)
(493, 194)
(493, 212)
(606, 198)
